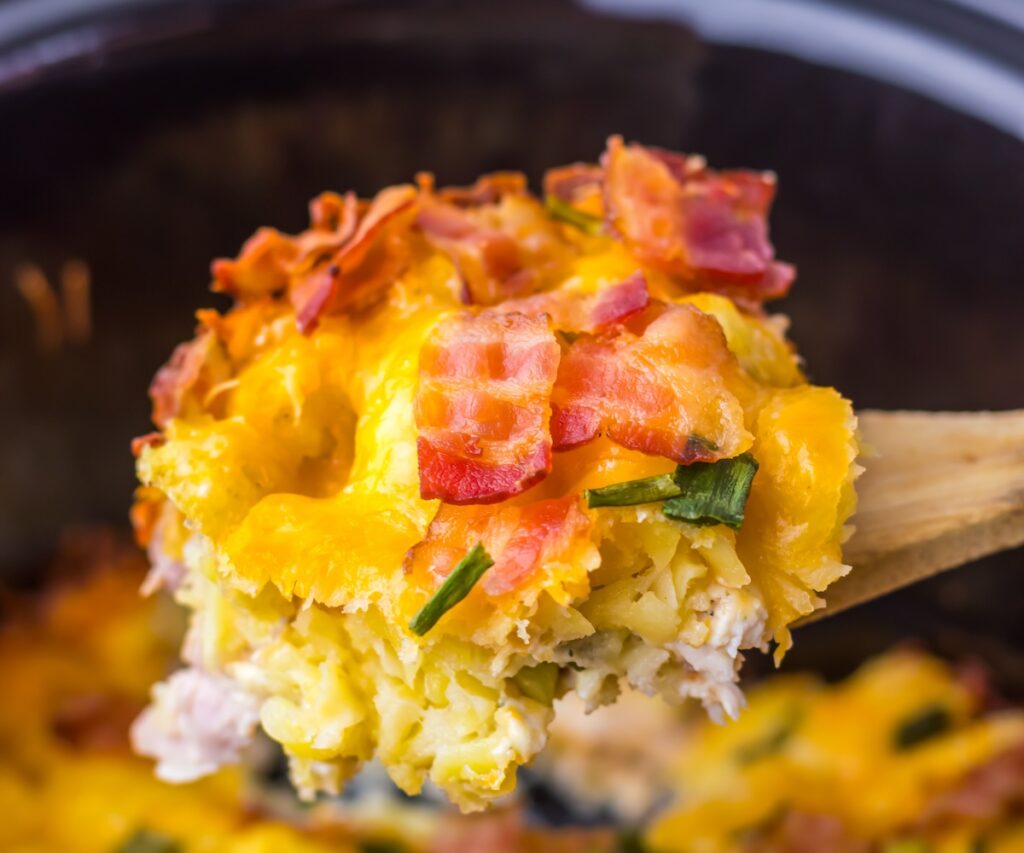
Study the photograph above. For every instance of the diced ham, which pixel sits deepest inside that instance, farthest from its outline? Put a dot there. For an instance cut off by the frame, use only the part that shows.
(520, 539)
(199, 722)
(663, 391)
(482, 406)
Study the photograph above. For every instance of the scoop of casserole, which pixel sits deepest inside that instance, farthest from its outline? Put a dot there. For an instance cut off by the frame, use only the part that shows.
(455, 452)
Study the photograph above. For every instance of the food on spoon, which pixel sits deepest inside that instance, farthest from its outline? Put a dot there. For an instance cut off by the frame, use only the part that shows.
(381, 479)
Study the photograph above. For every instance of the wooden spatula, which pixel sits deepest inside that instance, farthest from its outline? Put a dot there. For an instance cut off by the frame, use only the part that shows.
(938, 490)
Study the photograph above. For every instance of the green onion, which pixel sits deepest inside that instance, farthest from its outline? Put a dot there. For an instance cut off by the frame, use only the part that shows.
(645, 491)
(565, 212)
(906, 845)
(713, 492)
(538, 682)
(701, 493)
(148, 841)
(770, 745)
(382, 847)
(455, 588)
(926, 723)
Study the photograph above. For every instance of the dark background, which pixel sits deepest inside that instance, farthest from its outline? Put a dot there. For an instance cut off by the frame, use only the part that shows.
(156, 136)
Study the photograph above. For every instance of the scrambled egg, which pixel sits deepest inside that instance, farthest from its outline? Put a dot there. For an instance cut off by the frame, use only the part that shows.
(896, 758)
(286, 485)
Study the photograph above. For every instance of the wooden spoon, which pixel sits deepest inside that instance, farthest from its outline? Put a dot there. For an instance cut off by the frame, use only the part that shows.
(939, 490)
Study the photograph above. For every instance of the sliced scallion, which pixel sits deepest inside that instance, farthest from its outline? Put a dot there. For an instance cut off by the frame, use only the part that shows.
(565, 212)
(927, 723)
(644, 491)
(713, 492)
(148, 841)
(455, 588)
(701, 493)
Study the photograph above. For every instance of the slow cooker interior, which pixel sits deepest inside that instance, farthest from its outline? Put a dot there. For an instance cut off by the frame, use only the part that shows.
(902, 216)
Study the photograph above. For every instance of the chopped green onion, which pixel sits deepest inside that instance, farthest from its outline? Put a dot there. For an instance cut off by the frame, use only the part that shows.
(770, 745)
(148, 841)
(382, 847)
(644, 491)
(565, 212)
(701, 493)
(713, 492)
(907, 845)
(455, 588)
(926, 723)
(538, 682)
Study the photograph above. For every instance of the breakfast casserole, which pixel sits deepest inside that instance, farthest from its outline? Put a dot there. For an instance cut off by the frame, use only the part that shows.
(453, 453)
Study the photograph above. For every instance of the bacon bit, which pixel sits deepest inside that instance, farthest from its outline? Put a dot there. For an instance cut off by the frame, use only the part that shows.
(150, 439)
(149, 501)
(521, 539)
(985, 794)
(707, 228)
(482, 407)
(193, 369)
(487, 259)
(573, 183)
(652, 391)
(260, 268)
(571, 312)
(337, 215)
(488, 189)
(360, 270)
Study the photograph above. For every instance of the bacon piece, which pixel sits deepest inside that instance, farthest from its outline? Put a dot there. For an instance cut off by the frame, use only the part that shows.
(482, 406)
(664, 391)
(573, 183)
(520, 539)
(260, 268)
(488, 189)
(193, 369)
(571, 312)
(985, 794)
(269, 258)
(488, 260)
(361, 270)
(709, 228)
(150, 439)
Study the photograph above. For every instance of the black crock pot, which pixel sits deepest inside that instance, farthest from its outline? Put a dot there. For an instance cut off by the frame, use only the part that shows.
(148, 137)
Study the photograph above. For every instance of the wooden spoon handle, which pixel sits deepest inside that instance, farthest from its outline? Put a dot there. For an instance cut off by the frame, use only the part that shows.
(939, 490)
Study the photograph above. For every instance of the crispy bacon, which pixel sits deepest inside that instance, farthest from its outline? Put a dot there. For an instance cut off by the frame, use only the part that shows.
(364, 265)
(521, 539)
(662, 391)
(482, 406)
(260, 268)
(488, 189)
(571, 312)
(193, 369)
(573, 183)
(707, 228)
(488, 259)
(985, 794)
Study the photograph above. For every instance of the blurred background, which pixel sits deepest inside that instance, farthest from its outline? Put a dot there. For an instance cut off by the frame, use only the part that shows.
(145, 137)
